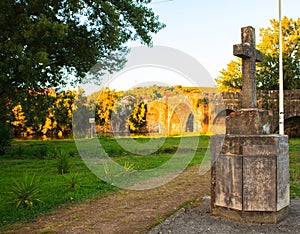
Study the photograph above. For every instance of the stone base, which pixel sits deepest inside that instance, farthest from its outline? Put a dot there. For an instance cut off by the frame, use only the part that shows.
(250, 177)
(250, 216)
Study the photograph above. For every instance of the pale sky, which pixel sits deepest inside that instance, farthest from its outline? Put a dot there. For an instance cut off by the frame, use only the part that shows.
(205, 30)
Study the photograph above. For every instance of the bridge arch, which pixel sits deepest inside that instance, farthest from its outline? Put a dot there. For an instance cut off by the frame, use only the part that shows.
(219, 123)
(190, 123)
(221, 115)
(291, 126)
(180, 119)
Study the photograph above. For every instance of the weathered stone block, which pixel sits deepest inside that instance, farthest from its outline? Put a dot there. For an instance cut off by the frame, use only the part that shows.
(229, 186)
(250, 177)
(248, 122)
(283, 174)
(259, 183)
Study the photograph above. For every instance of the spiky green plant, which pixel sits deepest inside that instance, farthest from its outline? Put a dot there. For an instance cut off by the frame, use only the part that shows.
(129, 167)
(25, 193)
(73, 181)
(111, 171)
(63, 162)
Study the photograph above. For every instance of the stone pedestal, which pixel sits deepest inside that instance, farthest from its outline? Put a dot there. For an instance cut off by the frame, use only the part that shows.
(250, 172)
(250, 169)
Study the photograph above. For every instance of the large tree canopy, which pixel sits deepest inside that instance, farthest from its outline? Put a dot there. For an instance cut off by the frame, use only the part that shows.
(42, 41)
(268, 71)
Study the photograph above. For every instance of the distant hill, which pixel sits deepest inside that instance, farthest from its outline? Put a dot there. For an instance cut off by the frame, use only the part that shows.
(154, 92)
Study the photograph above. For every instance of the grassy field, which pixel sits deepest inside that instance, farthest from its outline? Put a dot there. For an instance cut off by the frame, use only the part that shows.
(294, 154)
(41, 160)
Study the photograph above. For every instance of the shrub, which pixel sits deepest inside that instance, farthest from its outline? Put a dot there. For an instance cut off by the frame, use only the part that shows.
(53, 153)
(5, 137)
(73, 181)
(41, 152)
(17, 152)
(26, 192)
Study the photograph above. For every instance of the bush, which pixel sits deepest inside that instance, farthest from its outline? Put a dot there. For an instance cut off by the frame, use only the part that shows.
(73, 181)
(53, 153)
(25, 193)
(5, 137)
(17, 152)
(41, 152)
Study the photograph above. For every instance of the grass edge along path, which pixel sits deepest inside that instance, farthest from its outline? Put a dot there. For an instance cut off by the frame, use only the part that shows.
(134, 211)
(37, 158)
(125, 211)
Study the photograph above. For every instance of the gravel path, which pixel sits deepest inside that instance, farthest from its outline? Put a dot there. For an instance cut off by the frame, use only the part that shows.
(197, 219)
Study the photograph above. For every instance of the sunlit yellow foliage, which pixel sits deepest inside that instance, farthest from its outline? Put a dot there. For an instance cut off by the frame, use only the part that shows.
(269, 44)
(43, 112)
(137, 119)
(104, 107)
(231, 78)
(47, 126)
(19, 117)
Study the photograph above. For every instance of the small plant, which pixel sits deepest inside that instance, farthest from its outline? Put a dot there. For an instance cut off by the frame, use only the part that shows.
(111, 172)
(26, 192)
(129, 168)
(168, 149)
(63, 162)
(73, 181)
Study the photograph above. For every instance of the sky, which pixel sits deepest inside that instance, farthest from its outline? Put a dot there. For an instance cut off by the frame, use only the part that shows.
(204, 30)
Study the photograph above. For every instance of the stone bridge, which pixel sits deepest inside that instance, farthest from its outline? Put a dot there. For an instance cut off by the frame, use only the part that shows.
(205, 112)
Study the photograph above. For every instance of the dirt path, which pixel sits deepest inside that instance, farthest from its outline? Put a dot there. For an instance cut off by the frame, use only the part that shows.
(122, 212)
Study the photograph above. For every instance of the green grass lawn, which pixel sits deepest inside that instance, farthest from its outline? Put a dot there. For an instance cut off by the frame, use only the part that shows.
(294, 146)
(38, 158)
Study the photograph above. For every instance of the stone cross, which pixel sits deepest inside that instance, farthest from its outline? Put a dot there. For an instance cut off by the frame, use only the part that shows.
(250, 55)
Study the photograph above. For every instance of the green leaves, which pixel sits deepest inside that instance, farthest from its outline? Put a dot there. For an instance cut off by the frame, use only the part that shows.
(48, 37)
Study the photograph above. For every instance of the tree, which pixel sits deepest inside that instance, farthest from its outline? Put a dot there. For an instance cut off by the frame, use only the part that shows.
(19, 120)
(54, 110)
(42, 43)
(81, 114)
(48, 40)
(268, 71)
(105, 105)
(59, 117)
